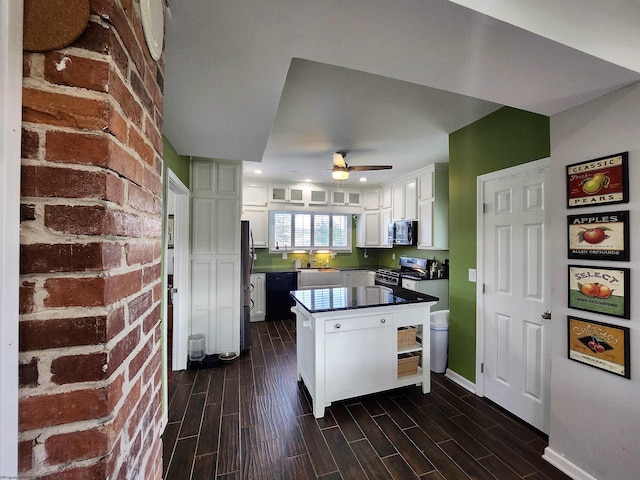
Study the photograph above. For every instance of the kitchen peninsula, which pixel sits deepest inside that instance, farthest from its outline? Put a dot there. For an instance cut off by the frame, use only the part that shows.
(353, 341)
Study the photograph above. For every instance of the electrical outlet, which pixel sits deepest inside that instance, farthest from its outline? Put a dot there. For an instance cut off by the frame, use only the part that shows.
(284, 255)
(393, 256)
(255, 256)
(366, 254)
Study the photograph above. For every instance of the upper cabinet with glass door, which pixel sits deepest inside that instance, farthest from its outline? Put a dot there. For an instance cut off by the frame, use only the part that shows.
(286, 195)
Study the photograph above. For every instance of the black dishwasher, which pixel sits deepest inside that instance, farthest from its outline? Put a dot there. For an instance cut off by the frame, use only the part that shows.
(278, 301)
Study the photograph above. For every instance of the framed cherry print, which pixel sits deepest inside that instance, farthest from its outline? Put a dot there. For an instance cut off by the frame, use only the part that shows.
(599, 345)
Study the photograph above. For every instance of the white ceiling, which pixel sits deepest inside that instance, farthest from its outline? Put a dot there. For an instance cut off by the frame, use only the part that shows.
(288, 82)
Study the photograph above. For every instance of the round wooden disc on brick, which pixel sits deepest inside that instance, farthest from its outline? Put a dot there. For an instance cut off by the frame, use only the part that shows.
(53, 24)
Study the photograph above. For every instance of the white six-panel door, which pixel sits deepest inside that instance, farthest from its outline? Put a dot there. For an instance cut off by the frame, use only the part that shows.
(515, 364)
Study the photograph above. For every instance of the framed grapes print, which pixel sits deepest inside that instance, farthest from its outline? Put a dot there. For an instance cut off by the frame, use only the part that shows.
(600, 290)
(599, 345)
(600, 181)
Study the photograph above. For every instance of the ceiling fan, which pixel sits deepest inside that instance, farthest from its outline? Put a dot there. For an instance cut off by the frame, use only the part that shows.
(340, 170)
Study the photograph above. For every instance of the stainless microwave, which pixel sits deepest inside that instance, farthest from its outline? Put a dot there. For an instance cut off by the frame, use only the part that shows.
(403, 232)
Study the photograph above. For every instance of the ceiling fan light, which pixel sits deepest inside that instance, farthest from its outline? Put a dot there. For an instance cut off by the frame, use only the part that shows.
(340, 174)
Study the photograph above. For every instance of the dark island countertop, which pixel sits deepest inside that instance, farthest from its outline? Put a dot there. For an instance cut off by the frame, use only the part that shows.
(348, 298)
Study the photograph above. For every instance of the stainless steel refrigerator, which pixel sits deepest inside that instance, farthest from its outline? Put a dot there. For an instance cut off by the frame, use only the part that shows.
(246, 266)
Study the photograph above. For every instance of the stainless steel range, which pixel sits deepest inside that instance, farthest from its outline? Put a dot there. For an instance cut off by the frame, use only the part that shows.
(411, 268)
(387, 277)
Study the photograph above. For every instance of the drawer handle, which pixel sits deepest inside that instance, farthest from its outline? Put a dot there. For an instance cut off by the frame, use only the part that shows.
(382, 320)
(338, 325)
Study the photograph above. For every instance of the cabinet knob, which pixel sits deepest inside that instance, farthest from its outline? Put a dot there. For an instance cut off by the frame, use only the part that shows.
(338, 325)
(382, 320)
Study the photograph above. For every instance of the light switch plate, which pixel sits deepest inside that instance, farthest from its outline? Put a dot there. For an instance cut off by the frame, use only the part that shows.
(284, 256)
(472, 274)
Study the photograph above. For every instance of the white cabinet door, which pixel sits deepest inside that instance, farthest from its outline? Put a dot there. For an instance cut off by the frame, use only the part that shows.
(371, 228)
(386, 197)
(385, 220)
(359, 278)
(258, 297)
(425, 185)
(410, 201)
(258, 221)
(404, 198)
(425, 223)
(286, 194)
(350, 198)
(351, 368)
(254, 195)
(397, 209)
(371, 200)
(318, 197)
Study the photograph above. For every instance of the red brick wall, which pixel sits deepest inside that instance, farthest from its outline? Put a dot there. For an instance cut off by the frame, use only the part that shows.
(90, 355)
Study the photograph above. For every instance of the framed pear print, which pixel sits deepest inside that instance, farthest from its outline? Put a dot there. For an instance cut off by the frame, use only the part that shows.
(599, 289)
(599, 236)
(600, 181)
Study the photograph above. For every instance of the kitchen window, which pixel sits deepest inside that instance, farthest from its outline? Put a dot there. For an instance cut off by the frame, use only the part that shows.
(303, 231)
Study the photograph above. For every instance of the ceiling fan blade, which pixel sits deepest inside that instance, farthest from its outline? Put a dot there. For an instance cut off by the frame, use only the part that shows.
(338, 160)
(361, 168)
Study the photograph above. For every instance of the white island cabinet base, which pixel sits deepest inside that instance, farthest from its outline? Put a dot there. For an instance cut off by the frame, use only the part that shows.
(348, 353)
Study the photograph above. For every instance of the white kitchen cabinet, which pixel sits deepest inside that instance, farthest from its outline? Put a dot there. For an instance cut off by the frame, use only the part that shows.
(350, 353)
(371, 278)
(215, 254)
(385, 220)
(433, 208)
(368, 229)
(318, 197)
(255, 195)
(386, 197)
(286, 195)
(425, 184)
(371, 200)
(404, 201)
(438, 288)
(259, 222)
(258, 298)
(348, 198)
(354, 278)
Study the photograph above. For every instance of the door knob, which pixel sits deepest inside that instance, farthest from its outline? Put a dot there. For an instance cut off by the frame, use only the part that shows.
(547, 315)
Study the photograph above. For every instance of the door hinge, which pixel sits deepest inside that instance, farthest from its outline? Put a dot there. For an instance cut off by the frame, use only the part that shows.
(483, 287)
(485, 207)
(482, 367)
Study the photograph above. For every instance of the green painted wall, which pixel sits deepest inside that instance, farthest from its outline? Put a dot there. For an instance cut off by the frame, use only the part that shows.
(503, 139)
(268, 261)
(179, 164)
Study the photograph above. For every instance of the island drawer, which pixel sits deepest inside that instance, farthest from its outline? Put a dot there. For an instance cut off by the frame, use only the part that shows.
(358, 323)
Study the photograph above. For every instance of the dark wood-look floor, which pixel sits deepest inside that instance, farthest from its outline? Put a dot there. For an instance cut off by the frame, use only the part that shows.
(251, 419)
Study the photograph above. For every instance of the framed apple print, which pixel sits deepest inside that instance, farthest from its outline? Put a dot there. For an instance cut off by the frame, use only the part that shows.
(600, 290)
(603, 180)
(599, 345)
(599, 236)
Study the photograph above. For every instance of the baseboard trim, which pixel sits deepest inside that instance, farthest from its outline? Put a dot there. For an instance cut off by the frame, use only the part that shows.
(561, 463)
(460, 380)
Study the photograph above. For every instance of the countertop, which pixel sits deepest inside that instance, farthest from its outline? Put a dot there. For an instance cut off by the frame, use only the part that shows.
(292, 269)
(348, 298)
(342, 269)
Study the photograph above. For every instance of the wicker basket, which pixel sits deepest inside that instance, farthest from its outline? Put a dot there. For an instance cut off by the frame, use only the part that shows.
(408, 364)
(407, 337)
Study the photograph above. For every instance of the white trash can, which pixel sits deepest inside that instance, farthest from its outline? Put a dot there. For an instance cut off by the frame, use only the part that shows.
(439, 340)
